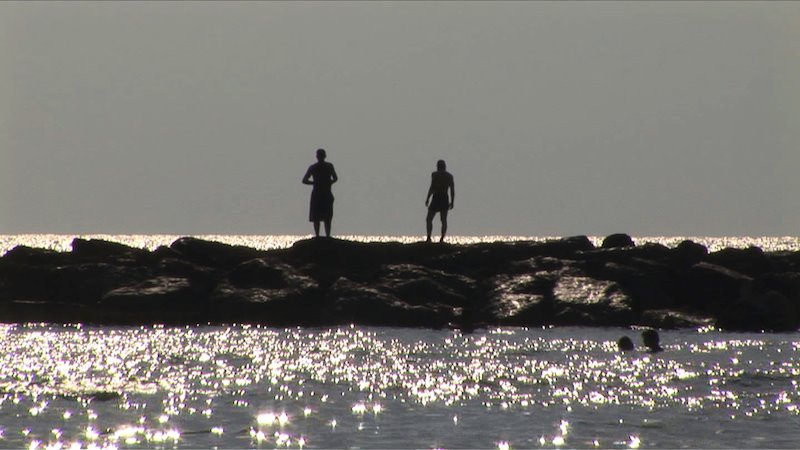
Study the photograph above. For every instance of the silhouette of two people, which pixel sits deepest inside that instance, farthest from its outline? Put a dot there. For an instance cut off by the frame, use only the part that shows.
(438, 200)
(321, 175)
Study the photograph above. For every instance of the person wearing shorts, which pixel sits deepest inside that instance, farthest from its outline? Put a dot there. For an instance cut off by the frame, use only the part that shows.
(321, 175)
(438, 200)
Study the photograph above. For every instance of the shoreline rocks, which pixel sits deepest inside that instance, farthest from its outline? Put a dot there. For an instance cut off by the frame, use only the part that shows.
(323, 282)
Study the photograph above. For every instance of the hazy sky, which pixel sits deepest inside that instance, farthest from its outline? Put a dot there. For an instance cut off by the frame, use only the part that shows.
(653, 118)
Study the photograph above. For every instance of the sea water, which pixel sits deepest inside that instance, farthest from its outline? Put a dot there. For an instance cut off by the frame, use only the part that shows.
(356, 387)
(80, 386)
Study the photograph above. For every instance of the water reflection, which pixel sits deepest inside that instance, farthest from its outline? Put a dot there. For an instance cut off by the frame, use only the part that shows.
(240, 386)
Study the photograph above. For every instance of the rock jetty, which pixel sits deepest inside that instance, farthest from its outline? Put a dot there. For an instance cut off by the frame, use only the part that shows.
(321, 282)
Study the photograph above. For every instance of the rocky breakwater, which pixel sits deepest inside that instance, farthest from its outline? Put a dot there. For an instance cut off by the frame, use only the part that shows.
(328, 281)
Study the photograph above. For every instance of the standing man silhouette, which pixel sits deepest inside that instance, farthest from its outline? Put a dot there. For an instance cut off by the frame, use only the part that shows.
(321, 175)
(441, 182)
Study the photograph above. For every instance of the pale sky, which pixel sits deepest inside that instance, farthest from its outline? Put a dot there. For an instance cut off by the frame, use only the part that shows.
(651, 118)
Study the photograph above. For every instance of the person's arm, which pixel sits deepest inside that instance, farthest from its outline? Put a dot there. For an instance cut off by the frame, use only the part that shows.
(307, 177)
(334, 177)
(452, 193)
(430, 191)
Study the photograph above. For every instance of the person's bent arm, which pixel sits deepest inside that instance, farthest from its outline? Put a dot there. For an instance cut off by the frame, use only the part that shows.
(307, 177)
(334, 177)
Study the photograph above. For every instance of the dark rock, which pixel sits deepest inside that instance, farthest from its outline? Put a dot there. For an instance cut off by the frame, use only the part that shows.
(779, 313)
(214, 254)
(784, 261)
(101, 250)
(650, 251)
(358, 303)
(179, 268)
(275, 307)
(617, 240)
(22, 311)
(351, 256)
(87, 283)
(326, 275)
(750, 261)
(28, 256)
(261, 291)
(648, 284)
(162, 300)
(160, 292)
(537, 264)
(714, 288)
(689, 252)
(79, 283)
(575, 316)
(22, 282)
(672, 319)
(787, 283)
(486, 260)
(421, 285)
(603, 301)
(330, 281)
(624, 255)
(558, 248)
(770, 311)
(261, 273)
(522, 300)
(163, 252)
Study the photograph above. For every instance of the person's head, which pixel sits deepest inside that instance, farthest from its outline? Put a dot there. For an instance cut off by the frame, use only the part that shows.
(440, 165)
(321, 155)
(651, 340)
(625, 344)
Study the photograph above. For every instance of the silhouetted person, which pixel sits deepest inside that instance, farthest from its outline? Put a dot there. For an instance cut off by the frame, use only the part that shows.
(321, 175)
(625, 344)
(441, 183)
(651, 341)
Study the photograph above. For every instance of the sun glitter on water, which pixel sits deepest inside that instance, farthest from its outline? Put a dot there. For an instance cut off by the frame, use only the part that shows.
(241, 386)
(62, 242)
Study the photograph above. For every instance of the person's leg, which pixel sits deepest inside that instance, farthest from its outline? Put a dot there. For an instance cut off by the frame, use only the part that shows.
(328, 228)
(316, 228)
(443, 216)
(429, 223)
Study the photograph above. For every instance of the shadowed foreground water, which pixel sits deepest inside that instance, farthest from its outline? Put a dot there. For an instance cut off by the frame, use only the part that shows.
(157, 387)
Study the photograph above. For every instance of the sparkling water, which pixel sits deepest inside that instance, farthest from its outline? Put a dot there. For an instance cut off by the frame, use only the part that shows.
(61, 242)
(356, 387)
